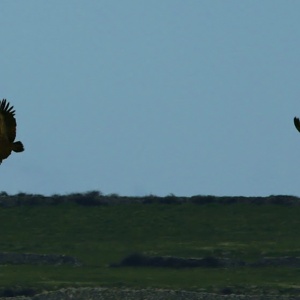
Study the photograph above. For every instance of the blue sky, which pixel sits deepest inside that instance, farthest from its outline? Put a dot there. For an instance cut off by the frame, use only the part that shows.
(152, 97)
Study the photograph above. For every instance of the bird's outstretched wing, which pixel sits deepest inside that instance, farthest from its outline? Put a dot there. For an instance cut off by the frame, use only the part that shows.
(9, 123)
(297, 123)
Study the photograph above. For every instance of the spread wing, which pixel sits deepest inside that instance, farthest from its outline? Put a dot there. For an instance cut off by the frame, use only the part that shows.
(8, 122)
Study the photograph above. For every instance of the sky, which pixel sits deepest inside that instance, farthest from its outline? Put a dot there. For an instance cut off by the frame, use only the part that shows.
(152, 97)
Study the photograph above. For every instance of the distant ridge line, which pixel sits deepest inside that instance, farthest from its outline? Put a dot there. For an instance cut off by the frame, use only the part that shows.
(95, 198)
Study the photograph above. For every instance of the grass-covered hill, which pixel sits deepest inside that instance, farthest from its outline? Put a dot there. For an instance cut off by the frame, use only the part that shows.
(100, 231)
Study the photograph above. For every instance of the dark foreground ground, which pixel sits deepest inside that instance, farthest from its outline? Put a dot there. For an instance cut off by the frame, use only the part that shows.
(144, 294)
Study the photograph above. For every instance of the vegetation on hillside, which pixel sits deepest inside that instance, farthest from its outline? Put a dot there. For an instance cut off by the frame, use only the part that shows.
(101, 230)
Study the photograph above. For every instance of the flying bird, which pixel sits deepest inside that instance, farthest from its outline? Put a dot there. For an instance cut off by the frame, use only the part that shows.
(8, 127)
(297, 123)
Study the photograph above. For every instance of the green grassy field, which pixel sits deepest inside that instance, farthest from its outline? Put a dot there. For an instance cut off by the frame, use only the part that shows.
(101, 235)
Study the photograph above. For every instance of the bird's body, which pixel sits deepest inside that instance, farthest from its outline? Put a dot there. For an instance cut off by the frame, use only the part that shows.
(8, 127)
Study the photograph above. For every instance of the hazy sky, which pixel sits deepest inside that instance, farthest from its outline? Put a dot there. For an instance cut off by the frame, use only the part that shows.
(152, 97)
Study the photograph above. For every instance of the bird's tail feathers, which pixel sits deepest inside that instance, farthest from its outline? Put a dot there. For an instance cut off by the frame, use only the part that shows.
(18, 146)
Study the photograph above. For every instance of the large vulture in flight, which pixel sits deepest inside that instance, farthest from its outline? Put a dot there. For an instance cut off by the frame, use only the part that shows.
(8, 127)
